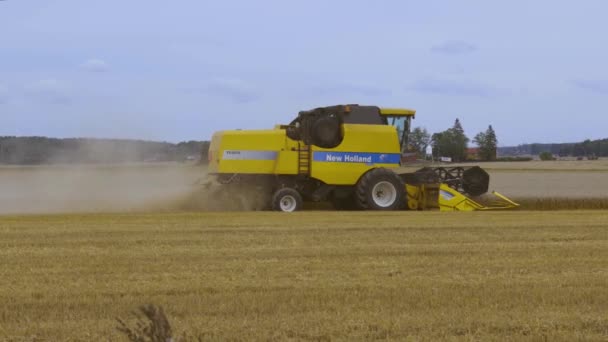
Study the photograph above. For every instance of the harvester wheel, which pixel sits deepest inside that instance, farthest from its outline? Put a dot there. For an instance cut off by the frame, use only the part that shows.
(380, 189)
(287, 200)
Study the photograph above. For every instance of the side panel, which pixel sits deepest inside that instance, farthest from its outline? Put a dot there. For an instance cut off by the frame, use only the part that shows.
(253, 152)
(364, 147)
(287, 163)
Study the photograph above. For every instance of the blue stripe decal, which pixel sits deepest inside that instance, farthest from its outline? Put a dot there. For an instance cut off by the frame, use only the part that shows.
(357, 157)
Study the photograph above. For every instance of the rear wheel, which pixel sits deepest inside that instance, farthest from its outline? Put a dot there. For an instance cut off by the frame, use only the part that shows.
(380, 189)
(287, 200)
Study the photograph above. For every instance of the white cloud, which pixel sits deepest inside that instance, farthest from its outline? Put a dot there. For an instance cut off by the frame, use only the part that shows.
(49, 90)
(95, 65)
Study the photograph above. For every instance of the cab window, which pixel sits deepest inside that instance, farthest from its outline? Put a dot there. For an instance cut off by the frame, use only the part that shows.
(401, 123)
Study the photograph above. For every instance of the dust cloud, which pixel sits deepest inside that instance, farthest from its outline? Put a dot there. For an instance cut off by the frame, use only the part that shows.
(107, 188)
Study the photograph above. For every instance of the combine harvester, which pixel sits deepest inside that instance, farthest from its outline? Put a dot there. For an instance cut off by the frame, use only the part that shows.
(348, 155)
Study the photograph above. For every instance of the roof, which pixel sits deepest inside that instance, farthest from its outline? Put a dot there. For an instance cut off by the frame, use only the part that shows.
(397, 111)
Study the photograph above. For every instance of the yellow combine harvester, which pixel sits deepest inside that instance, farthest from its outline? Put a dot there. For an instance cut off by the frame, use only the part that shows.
(347, 155)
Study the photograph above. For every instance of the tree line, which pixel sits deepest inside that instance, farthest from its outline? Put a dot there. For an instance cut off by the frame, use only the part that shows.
(453, 143)
(587, 148)
(43, 150)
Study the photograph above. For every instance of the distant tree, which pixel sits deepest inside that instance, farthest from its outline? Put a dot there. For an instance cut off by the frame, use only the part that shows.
(420, 139)
(458, 127)
(587, 146)
(546, 156)
(581, 149)
(451, 143)
(487, 143)
(439, 144)
(461, 142)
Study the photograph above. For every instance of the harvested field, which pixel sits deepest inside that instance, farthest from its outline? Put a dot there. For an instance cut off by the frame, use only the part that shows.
(129, 188)
(516, 275)
(600, 165)
(550, 184)
(309, 276)
(107, 188)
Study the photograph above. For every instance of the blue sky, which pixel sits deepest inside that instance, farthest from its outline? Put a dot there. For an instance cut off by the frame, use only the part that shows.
(179, 70)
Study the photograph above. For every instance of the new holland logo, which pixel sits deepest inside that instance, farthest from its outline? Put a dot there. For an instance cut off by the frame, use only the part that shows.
(351, 157)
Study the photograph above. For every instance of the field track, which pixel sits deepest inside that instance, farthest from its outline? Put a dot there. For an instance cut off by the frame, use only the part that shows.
(315, 276)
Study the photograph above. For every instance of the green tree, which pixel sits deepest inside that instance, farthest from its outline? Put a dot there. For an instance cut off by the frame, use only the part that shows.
(487, 143)
(545, 156)
(451, 143)
(461, 142)
(419, 140)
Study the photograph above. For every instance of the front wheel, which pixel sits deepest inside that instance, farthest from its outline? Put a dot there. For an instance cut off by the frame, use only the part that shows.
(287, 200)
(380, 189)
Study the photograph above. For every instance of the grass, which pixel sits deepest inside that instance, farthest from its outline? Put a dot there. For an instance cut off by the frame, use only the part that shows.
(314, 276)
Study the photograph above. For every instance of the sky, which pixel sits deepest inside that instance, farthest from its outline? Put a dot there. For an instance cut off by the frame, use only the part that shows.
(536, 71)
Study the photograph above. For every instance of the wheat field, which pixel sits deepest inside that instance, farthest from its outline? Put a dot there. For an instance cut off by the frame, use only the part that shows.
(310, 276)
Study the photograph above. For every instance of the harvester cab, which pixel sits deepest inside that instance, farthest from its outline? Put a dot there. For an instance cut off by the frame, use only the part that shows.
(346, 154)
(401, 119)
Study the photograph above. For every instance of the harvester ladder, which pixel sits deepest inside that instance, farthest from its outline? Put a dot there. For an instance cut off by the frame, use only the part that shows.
(304, 155)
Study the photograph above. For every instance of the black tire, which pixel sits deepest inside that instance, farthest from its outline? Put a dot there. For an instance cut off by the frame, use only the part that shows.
(475, 181)
(380, 189)
(287, 200)
(327, 132)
